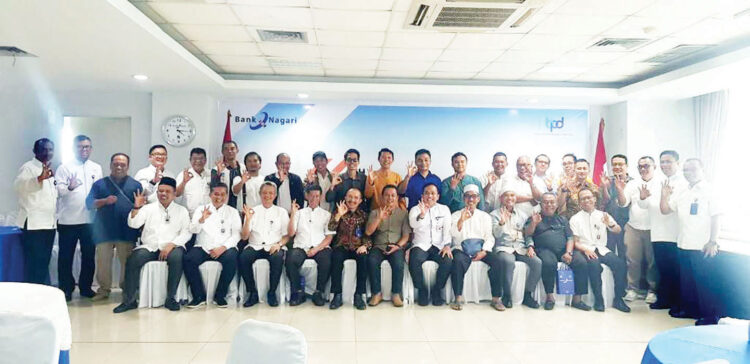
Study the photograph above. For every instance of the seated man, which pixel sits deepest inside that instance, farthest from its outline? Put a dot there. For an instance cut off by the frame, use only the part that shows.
(553, 242)
(431, 223)
(312, 240)
(218, 227)
(265, 229)
(351, 243)
(165, 232)
(510, 245)
(388, 225)
(589, 228)
(471, 232)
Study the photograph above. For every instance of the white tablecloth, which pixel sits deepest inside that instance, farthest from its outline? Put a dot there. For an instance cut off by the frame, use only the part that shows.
(39, 300)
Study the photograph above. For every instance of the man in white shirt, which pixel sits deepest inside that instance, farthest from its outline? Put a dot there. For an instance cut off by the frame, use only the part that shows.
(74, 181)
(699, 224)
(266, 230)
(638, 229)
(150, 176)
(472, 241)
(166, 230)
(590, 228)
(319, 175)
(289, 185)
(192, 183)
(431, 224)
(664, 231)
(312, 240)
(37, 203)
(542, 181)
(247, 186)
(510, 246)
(522, 184)
(493, 181)
(218, 227)
(227, 169)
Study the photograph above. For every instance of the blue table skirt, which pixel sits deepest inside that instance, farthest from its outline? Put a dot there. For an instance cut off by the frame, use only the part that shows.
(699, 343)
(11, 255)
(64, 357)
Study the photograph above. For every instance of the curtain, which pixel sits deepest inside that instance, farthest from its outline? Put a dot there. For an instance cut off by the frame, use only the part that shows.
(710, 125)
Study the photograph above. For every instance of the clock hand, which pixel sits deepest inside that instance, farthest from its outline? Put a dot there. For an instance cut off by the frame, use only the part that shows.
(180, 131)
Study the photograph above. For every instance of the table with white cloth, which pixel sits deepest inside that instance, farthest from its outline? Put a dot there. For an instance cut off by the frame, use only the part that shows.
(39, 300)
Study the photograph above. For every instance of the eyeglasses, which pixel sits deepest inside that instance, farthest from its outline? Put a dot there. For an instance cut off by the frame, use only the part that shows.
(543, 162)
(159, 154)
(84, 147)
(644, 166)
(471, 197)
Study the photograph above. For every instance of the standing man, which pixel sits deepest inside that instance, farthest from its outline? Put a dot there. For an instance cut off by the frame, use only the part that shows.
(567, 194)
(228, 168)
(542, 181)
(351, 178)
(218, 227)
(384, 176)
(113, 197)
(289, 185)
(522, 184)
(166, 230)
(150, 176)
(699, 222)
(493, 181)
(417, 176)
(608, 191)
(638, 229)
(192, 183)
(37, 202)
(452, 187)
(431, 223)
(319, 175)
(247, 187)
(568, 170)
(74, 181)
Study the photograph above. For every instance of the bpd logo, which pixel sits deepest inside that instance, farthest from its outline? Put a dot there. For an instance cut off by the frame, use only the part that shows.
(263, 120)
(554, 124)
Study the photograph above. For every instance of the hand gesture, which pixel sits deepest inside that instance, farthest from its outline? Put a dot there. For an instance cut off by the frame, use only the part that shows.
(384, 212)
(248, 211)
(606, 220)
(371, 174)
(295, 207)
(422, 208)
(504, 216)
(536, 218)
(46, 172)
(336, 181)
(73, 183)
(205, 214)
(246, 176)
(186, 175)
(341, 209)
(220, 167)
(645, 193)
(158, 175)
(548, 182)
(465, 214)
(283, 175)
(455, 180)
(139, 199)
(310, 175)
(666, 189)
(111, 199)
(604, 180)
(527, 177)
(620, 184)
(446, 251)
(411, 169)
(491, 177)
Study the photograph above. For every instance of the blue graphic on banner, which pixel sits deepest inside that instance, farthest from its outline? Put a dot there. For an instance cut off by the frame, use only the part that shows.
(274, 114)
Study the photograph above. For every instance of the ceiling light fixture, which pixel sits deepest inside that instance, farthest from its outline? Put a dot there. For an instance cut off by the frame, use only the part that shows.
(140, 77)
(303, 96)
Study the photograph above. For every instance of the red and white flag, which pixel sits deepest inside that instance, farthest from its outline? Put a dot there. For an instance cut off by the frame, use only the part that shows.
(227, 129)
(600, 160)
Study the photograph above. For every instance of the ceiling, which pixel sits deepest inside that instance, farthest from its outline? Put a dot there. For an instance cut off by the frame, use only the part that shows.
(368, 39)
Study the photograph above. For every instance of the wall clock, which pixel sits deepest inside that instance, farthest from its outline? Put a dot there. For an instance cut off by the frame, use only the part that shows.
(178, 130)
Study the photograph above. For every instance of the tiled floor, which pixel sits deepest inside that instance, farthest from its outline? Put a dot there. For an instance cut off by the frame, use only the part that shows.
(383, 334)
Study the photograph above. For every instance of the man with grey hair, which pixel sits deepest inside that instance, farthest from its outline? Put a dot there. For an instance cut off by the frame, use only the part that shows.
(522, 184)
(289, 185)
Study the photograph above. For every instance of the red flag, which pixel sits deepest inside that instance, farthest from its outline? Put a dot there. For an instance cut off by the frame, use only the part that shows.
(227, 129)
(600, 160)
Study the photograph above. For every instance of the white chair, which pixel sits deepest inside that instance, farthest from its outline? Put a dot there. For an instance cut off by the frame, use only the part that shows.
(477, 282)
(309, 270)
(153, 286)
(262, 273)
(267, 342)
(28, 339)
(210, 272)
(386, 283)
(55, 280)
(608, 289)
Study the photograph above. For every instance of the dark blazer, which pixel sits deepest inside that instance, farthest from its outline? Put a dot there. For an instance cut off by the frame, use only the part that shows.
(296, 187)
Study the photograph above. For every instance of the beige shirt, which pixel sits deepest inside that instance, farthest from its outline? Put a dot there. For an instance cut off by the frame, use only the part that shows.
(391, 229)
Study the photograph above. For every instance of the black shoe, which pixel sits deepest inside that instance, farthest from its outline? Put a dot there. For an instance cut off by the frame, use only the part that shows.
(659, 305)
(359, 302)
(581, 306)
(125, 307)
(197, 302)
(252, 299)
(529, 301)
(599, 305)
(171, 304)
(619, 304)
(317, 299)
(706, 321)
(680, 314)
(297, 298)
(437, 298)
(272, 300)
(88, 293)
(336, 302)
(507, 302)
(68, 296)
(220, 302)
(423, 298)
(548, 305)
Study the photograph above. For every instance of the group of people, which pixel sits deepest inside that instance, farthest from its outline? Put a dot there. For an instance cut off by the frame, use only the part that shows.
(665, 225)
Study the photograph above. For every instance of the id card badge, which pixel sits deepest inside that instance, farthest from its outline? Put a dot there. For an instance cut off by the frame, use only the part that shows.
(694, 208)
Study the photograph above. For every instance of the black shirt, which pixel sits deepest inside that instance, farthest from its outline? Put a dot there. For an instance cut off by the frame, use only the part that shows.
(552, 233)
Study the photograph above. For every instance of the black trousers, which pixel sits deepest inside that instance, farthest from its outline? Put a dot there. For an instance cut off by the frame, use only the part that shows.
(37, 251)
(594, 269)
(667, 262)
(396, 260)
(616, 243)
(461, 264)
(550, 259)
(294, 260)
(192, 262)
(70, 235)
(138, 259)
(275, 261)
(338, 256)
(696, 284)
(417, 256)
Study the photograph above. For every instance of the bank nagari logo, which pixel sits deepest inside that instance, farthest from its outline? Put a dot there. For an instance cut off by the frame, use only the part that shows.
(554, 124)
(263, 120)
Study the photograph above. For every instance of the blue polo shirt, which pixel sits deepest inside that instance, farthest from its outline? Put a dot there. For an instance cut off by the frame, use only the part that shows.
(111, 221)
(416, 185)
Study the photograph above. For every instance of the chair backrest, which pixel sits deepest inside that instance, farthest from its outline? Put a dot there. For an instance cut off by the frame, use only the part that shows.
(267, 342)
(28, 339)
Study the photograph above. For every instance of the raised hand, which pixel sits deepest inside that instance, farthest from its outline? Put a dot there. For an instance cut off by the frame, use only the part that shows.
(283, 175)
(46, 172)
(186, 175)
(604, 180)
(455, 180)
(310, 175)
(411, 169)
(645, 193)
(504, 216)
(341, 209)
(606, 220)
(246, 176)
(491, 177)
(536, 218)
(220, 167)
(465, 214)
(371, 174)
(548, 182)
(620, 184)
(422, 208)
(139, 199)
(205, 214)
(73, 183)
(248, 211)
(336, 181)
(666, 189)
(295, 207)
(158, 175)
(384, 212)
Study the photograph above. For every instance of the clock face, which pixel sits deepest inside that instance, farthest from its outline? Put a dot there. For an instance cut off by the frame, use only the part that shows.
(178, 130)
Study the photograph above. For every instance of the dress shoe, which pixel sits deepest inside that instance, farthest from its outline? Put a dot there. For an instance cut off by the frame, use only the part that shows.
(548, 305)
(437, 298)
(529, 301)
(581, 306)
(497, 305)
(423, 299)
(599, 305)
(659, 305)
(196, 302)
(297, 298)
(375, 300)
(317, 299)
(457, 305)
(252, 299)
(396, 300)
(707, 321)
(359, 302)
(125, 307)
(507, 302)
(68, 296)
(680, 314)
(100, 296)
(336, 302)
(88, 293)
(273, 301)
(171, 304)
(619, 304)
(220, 302)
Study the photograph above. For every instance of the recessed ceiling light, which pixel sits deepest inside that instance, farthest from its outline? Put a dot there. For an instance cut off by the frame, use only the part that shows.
(140, 77)
(303, 96)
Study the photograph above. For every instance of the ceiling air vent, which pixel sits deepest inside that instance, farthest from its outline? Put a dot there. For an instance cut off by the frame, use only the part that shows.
(676, 53)
(619, 44)
(471, 15)
(282, 36)
(454, 17)
(14, 52)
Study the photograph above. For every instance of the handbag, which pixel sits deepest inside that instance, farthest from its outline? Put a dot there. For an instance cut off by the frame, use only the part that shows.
(565, 284)
(472, 246)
